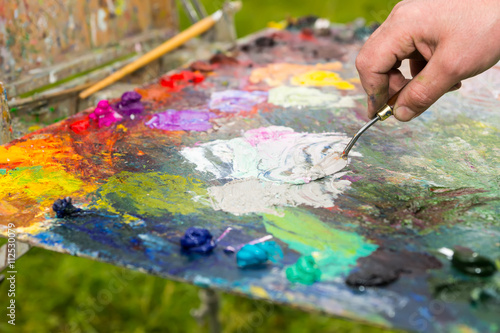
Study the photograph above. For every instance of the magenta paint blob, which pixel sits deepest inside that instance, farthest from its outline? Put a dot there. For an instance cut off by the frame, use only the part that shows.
(181, 120)
(104, 114)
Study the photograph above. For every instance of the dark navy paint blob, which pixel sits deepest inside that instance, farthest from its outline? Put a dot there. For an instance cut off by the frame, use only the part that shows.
(65, 209)
(197, 240)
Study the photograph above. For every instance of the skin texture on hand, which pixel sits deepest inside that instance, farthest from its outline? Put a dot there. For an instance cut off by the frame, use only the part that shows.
(446, 41)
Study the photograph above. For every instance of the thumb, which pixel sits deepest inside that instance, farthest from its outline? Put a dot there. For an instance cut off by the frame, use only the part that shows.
(435, 79)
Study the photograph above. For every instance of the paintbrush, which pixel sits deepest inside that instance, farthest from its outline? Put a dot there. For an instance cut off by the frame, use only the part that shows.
(171, 44)
(335, 162)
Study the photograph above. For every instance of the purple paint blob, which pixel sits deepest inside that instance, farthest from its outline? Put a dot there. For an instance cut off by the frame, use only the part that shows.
(104, 114)
(181, 120)
(236, 100)
(130, 104)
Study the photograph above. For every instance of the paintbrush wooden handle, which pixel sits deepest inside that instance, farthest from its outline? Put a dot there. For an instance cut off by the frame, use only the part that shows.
(392, 101)
(173, 43)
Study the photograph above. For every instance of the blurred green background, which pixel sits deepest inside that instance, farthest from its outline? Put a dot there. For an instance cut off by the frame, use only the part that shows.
(61, 293)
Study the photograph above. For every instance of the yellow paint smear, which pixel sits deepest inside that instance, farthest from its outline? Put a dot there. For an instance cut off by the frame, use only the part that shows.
(279, 73)
(277, 25)
(43, 185)
(259, 292)
(321, 78)
(27, 193)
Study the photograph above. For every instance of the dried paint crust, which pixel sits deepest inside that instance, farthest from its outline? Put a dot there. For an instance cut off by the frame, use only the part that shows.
(219, 146)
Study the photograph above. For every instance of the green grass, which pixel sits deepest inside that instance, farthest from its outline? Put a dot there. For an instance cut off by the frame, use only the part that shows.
(61, 293)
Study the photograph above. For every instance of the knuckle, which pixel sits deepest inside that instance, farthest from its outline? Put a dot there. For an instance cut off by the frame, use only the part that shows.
(361, 62)
(420, 96)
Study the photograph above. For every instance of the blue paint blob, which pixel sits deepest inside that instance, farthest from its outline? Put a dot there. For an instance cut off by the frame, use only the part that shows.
(65, 209)
(258, 254)
(197, 240)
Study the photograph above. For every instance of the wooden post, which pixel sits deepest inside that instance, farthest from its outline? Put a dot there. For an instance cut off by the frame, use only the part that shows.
(5, 120)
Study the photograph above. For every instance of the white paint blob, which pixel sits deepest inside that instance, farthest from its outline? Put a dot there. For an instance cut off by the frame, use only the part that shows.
(271, 167)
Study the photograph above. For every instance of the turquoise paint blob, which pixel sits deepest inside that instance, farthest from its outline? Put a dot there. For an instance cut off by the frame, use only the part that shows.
(258, 254)
(304, 271)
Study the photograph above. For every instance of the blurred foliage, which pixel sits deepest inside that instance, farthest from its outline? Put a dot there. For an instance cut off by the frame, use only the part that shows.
(255, 14)
(61, 293)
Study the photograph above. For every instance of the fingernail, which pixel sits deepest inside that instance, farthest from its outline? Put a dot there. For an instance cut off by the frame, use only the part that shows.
(404, 113)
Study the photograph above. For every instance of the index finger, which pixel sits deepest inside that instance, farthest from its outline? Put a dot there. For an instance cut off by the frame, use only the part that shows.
(381, 52)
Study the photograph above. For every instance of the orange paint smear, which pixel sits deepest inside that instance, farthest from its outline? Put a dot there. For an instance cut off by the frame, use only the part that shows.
(41, 149)
(155, 93)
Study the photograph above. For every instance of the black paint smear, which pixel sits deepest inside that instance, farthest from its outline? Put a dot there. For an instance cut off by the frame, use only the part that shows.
(260, 44)
(470, 262)
(384, 266)
(303, 22)
(483, 294)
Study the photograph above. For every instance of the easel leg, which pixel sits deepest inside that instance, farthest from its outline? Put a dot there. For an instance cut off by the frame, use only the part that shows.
(21, 249)
(209, 308)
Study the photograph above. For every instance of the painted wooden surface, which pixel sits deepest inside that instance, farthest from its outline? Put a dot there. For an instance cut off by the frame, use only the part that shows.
(39, 34)
(213, 150)
(5, 118)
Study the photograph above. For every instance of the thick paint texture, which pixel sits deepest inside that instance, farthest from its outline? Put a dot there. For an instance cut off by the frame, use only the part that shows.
(64, 208)
(335, 251)
(307, 97)
(197, 240)
(385, 266)
(178, 81)
(263, 167)
(151, 193)
(258, 254)
(304, 271)
(181, 120)
(274, 154)
(233, 101)
(38, 183)
(129, 104)
(321, 79)
(45, 150)
(104, 114)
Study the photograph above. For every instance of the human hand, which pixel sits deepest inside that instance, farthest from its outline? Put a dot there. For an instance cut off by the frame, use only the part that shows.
(446, 41)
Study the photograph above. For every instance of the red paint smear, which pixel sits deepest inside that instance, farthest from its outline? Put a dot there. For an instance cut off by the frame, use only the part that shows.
(80, 126)
(178, 81)
(307, 34)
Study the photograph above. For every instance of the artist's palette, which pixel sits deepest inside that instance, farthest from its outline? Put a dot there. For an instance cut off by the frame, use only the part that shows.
(223, 148)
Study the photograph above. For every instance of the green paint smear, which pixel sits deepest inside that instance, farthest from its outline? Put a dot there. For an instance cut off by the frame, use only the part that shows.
(304, 271)
(334, 251)
(152, 193)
